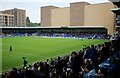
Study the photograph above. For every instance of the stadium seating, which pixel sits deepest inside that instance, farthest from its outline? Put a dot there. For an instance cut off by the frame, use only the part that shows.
(62, 35)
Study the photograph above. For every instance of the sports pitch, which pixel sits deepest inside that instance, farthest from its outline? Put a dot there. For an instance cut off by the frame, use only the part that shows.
(37, 49)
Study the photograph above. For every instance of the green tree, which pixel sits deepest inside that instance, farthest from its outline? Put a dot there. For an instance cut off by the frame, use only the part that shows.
(31, 24)
(27, 21)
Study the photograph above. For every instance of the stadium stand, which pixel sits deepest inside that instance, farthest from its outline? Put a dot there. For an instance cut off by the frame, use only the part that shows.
(61, 35)
(90, 32)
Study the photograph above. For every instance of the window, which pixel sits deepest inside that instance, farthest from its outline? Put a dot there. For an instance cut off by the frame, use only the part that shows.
(118, 17)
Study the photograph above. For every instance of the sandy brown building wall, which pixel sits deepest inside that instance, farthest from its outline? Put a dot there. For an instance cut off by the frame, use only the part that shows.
(77, 13)
(46, 15)
(60, 17)
(100, 15)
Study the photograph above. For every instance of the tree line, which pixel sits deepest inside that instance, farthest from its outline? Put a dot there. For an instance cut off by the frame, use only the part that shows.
(31, 24)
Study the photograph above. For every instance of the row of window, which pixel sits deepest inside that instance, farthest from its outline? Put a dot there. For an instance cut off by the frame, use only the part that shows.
(118, 20)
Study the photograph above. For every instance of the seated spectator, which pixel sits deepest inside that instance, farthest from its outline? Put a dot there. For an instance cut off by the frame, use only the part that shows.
(75, 63)
(105, 52)
(29, 74)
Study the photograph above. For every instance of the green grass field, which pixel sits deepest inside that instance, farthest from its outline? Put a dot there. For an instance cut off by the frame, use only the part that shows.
(37, 49)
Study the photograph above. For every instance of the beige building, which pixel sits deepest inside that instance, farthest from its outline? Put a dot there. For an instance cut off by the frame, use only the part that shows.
(46, 15)
(19, 16)
(79, 14)
(100, 14)
(6, 20)
(58, 14)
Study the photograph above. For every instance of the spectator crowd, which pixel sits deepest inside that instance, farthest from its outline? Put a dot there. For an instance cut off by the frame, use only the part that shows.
(62, 35)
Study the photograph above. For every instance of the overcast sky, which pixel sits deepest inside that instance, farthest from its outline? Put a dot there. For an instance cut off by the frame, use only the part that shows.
(32, 7)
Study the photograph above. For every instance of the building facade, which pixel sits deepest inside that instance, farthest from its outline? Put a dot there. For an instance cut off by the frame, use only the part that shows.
(58, 14)
(100, 14)
(77, 13)
(6, 20)
(19, 16)
(80, 14)
(46, 15)
(116, 10)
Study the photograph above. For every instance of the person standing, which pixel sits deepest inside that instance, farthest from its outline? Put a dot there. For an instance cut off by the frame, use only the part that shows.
(82, 37)
(25, 62)
(10, 47)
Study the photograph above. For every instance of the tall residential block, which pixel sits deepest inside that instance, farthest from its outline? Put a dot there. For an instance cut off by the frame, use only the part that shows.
(19, 16)
(6, 20)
